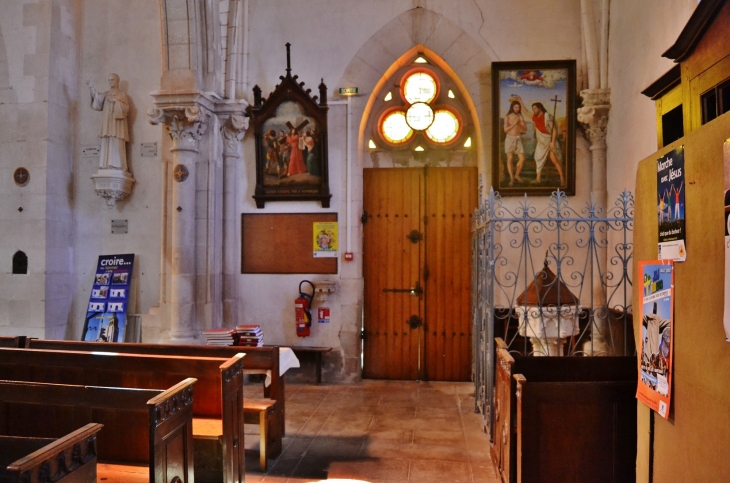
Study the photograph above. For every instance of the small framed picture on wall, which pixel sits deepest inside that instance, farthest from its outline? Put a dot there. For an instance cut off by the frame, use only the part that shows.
(533, 122)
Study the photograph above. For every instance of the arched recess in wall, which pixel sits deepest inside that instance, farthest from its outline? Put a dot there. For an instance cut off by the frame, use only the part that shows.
(20, 263)
(444, 43)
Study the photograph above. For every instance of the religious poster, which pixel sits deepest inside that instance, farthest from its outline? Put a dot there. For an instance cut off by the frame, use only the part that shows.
(726, 318)
(670, 206)
(324, 239)
(657, 335)
(106, 314)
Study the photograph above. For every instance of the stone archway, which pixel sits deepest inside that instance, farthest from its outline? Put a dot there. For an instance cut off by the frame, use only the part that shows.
(455, 51)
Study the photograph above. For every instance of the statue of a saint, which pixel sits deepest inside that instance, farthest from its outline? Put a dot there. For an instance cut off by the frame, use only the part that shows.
(114, 131)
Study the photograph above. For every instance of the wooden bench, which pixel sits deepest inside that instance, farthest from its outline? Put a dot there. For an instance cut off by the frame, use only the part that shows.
(317, 352)
(145, 427)
(18, 341)
(219, 391)
(554, 414)
(264, 359)
(261, 411)
(71, 457)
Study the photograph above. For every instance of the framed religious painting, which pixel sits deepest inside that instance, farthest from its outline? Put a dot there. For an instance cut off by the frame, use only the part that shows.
(290, 129)
(533, 122)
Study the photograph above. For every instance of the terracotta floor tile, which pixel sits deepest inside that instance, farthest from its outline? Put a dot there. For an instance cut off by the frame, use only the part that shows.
(423, 471)
(378, 432)
(380, 469)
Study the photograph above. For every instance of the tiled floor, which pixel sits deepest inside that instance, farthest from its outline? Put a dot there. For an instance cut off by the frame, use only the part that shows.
(378, 431)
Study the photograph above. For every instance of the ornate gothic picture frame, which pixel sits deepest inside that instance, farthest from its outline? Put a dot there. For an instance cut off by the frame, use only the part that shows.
(290, 129)
(533, 122)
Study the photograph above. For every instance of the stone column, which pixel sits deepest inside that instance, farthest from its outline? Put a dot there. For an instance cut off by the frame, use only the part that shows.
(594, 116)
(233, 131)
(185, 125)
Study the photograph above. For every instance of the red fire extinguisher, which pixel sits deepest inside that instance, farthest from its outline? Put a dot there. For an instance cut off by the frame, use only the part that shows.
(302, 306)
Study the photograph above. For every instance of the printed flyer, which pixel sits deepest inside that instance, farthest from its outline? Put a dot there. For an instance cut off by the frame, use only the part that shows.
(106, 316)
(324, 239)
(670, 206)
(657, 335)
(726, 318)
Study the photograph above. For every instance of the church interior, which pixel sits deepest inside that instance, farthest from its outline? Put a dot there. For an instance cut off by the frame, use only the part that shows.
(364, 241)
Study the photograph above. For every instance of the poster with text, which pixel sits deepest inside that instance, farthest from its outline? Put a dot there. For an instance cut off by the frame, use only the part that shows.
(670, 206)
(324, 239)
(726, 318)
(106, 314)
(657, 335)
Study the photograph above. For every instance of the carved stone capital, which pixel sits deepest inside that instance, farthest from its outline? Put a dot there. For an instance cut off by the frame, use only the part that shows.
(233, 130)
(113, 184)
(594, 115)
(185, 125)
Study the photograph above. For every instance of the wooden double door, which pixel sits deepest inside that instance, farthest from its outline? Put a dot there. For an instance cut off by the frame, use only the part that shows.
(417, 271)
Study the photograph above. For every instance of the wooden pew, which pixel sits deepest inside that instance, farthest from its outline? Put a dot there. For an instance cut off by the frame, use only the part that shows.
(18, 341)
(550, 408)
(71, 457)
(257, 358)
(142, 426)
(219, 388)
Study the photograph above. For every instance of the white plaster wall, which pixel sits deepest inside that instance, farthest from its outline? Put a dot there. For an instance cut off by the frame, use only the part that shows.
(120, 37)
(640, 32)
(24, 54)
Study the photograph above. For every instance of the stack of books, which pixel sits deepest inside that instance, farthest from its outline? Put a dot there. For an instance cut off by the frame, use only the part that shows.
(220, 336)
(249, 335)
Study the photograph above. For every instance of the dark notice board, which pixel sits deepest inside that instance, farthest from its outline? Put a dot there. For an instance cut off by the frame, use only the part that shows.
(282, 243)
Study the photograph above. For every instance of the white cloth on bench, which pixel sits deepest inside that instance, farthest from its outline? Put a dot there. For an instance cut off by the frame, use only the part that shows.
(287, 360)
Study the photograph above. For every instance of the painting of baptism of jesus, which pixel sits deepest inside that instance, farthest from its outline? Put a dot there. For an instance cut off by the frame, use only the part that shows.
(292, 148)
(533, 127)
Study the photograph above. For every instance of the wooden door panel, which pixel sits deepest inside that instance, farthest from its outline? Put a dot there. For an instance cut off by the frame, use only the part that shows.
(451, 197)
(392, 202)
(397, 201)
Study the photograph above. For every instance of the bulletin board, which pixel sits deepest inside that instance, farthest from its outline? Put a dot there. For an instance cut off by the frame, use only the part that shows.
(282, 243)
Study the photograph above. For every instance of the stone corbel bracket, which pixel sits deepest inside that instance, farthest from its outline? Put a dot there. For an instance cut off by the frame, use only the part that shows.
(594, 115)
(112, 184)
(233, 130)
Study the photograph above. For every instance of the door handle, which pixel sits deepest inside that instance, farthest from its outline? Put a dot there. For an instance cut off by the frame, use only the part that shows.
(414, 291)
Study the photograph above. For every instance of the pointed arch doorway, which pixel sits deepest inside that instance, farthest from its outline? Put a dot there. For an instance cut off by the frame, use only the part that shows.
(417, 321)
(416, 255)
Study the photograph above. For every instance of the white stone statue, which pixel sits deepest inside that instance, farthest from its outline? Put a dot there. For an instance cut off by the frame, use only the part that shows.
(114, 131)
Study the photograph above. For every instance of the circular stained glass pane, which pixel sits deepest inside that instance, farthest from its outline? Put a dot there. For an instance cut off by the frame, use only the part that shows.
(445, 127)
(419, 87)
(419, 116)
(395, 129)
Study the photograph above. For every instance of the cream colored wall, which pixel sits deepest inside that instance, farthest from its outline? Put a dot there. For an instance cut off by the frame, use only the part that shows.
(124, 38)
(354, 43)
(692, 444)
(640, 31)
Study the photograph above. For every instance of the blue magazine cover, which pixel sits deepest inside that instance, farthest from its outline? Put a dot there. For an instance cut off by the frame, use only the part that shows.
(106, 314)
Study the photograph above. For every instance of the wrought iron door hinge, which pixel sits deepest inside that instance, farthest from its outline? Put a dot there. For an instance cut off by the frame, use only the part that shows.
(415, 236)
(364, 217)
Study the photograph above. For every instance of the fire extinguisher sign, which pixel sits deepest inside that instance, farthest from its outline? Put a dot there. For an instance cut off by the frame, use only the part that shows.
(323, 315)
(324, 239)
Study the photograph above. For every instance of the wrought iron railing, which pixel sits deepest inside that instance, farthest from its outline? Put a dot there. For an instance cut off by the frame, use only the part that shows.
(549, 280)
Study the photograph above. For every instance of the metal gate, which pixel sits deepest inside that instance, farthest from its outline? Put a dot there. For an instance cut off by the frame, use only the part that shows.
(535, 265)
